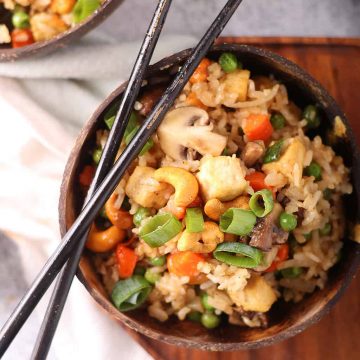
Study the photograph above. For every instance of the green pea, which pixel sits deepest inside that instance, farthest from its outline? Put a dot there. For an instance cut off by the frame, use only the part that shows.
(139, 270)
(288, 222)
(291, 273)
(277, 121)
(314, 169)
(151, 276)
(158, 261)
(84, 8)
(273, 152)
(326, 230)
(194, 316)
(140, 215)
(205, 302)
(228, 62)
(327, 193)
(20, 20)
(97, 155)
(210, 320)
(311, 115)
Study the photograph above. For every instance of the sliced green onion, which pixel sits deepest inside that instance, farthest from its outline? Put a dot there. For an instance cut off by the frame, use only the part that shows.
(273, 152)
(291, 273)
(261, 210)
(131, 293)
(194, 220)
(250, 256)
(149, 144)
(97, 155)
(141, 214)
(160, 229)
(237, 221)
(151, 276)
(83, 9)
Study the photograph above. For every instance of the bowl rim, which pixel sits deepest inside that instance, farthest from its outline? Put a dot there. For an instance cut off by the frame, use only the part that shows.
(293, 329)
(61, 40)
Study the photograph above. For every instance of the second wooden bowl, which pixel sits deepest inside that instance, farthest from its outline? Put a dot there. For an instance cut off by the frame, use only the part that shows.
(286, 319)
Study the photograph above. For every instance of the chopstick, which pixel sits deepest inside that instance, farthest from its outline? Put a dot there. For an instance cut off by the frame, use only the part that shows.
(63, 284)
(108, 185)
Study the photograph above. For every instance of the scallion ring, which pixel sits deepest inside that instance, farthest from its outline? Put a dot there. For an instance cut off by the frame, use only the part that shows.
(160, 229)
(237, 221)
(131, 293)
(250, 257)
(194, 220)
(266, 197)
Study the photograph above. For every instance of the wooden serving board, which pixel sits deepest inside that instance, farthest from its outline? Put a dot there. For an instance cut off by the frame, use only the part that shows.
(335, 62)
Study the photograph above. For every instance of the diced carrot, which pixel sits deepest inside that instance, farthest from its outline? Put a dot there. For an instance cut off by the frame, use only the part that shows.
(86, 176)
(258, 127)
(185, 264)
(201, 72)
(281, 256)
(118, 217)
(196, 203)
(179, 212)
(257, 182)
(126, 260)
(21, 37)
(193, 100)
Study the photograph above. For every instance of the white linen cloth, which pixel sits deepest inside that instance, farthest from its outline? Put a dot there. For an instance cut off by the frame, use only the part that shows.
(43, 104)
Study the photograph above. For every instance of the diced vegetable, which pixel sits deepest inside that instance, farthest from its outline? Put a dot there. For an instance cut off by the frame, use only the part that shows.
(237, 221)
(237, 83)
(311, 115)
(201, 72)
(84, 8)
(20, 20)
(158, 261)
(97, 155)
(291, 273)
(185, 263)
(194, 220)
(281, 256)
(126, 260)
(160, 229)
(288, 222)
(131, 293)
(258, 127)
(205, 302)
(21, 37)
(267, 203)
(257, 181)
(210, 320)
(326, 230)
(314, 169)
(277, 121)
(251, 257)
(149, 144)
(141, 214)
(86, 176)
(194, 316)
(228, 62)
(151, 276)
(273, 152)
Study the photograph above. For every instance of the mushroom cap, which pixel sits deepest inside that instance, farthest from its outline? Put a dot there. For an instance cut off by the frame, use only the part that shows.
(189, 127)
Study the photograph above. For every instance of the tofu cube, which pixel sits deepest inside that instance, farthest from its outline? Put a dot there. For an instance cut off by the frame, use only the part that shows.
(221, 177)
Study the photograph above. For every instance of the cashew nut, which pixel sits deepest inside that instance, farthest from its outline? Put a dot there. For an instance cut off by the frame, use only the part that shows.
(204, 242)
(185, 183)
(118, 217)
(102, 241)
(214, 208)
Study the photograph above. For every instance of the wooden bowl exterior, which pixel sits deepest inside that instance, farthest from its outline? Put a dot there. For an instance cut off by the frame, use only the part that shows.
(60, 41)
(286, 320)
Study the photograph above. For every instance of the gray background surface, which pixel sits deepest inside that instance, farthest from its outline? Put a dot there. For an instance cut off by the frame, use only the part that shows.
(128, 23)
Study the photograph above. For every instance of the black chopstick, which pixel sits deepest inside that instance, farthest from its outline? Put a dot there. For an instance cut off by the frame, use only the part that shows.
(94, 205)
(63, 284)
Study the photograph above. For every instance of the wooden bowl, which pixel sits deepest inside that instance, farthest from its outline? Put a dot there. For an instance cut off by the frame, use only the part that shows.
(286, 319)
(60, 41)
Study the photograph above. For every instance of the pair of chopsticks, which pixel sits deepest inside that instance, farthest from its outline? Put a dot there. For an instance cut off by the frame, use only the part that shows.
(106, 179)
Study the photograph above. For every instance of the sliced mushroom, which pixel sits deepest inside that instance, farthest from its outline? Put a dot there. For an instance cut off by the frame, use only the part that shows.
(266, 232)
(189, 127)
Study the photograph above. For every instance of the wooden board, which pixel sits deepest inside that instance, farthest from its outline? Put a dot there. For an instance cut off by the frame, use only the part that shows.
(336, 64)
